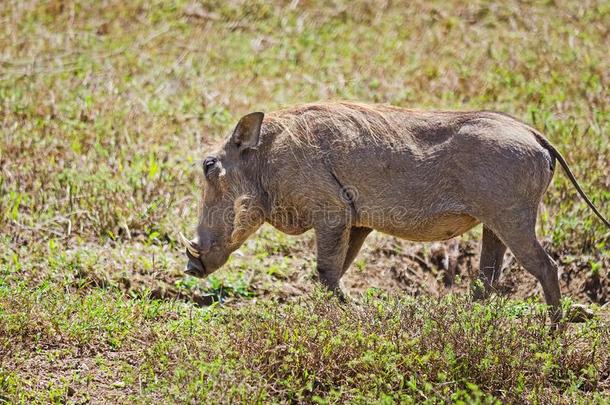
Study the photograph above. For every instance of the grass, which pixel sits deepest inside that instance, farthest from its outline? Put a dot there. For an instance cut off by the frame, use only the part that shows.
(106, 109)
(382, 348)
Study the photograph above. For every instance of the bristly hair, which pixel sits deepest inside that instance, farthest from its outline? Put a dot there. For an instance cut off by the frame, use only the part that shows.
(304, 123)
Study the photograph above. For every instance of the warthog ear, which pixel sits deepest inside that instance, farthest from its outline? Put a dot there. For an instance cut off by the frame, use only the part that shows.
(248, 130)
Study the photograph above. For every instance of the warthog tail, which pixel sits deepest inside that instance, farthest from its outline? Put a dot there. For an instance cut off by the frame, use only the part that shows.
(555, 153)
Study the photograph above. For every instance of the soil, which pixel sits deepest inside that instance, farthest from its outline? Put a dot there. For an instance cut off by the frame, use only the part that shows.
(396, 266)
(425, 269)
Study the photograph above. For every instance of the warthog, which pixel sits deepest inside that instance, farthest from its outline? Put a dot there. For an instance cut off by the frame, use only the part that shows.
(345, 169)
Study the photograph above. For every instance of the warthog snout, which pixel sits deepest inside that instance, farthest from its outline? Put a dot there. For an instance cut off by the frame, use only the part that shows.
(195, 266)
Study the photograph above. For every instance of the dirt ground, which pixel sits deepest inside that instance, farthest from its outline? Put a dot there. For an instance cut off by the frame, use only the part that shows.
(397, 266)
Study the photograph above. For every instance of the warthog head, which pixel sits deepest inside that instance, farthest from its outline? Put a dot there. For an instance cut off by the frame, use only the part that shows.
(231, 202)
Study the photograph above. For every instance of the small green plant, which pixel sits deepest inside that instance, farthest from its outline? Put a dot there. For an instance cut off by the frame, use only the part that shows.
(106, 112)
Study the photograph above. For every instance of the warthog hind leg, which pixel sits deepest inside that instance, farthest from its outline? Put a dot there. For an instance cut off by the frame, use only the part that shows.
(490, 268)
(518, 233)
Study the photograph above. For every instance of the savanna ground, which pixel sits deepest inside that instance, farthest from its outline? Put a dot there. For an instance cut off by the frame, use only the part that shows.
(106, 110)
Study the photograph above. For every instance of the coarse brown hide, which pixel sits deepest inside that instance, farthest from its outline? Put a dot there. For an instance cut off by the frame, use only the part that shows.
(345, 169)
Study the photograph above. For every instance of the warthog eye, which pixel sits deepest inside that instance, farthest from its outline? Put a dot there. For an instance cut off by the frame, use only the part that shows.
(208, 164)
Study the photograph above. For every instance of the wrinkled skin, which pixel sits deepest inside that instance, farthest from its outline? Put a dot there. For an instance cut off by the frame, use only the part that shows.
(346, 169)
(232, 205)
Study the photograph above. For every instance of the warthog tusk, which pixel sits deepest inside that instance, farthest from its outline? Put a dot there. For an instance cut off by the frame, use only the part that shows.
(189, 246)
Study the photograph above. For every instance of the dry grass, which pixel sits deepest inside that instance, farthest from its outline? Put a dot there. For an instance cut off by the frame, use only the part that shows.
(106, 109)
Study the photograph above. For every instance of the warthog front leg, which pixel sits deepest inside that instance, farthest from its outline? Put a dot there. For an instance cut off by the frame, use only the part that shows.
(336, 252)
(357, 237)
(332, 245)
